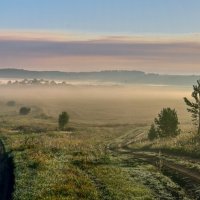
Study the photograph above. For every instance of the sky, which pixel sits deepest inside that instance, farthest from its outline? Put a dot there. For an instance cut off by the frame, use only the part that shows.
(160, 36)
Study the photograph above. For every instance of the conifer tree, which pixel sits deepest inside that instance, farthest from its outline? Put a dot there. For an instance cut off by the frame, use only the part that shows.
(194, 107)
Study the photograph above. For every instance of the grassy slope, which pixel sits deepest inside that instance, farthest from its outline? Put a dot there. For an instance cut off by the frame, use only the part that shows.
(45, 164)
(49, 163)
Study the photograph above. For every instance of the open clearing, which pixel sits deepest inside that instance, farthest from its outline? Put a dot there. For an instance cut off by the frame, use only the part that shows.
(86, 161)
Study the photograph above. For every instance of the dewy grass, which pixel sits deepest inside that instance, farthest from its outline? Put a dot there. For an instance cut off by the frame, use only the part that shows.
(41, 174)
(45, 157)
(162, 186)
(185, 144)
(119, 184)
(45, 170)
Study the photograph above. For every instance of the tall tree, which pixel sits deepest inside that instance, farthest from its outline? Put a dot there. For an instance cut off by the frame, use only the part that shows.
(194, 107)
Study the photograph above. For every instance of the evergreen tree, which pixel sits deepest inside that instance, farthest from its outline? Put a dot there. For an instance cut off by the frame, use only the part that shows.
(153, 133)
(167, 123)
(194, 107)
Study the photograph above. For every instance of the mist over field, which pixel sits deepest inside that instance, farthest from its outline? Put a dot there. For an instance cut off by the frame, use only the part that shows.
(108, 114)
(99, 100)
(105, 139)
(101, 104)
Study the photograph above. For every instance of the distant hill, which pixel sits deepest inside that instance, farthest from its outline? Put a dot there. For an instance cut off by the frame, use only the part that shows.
(124, 77)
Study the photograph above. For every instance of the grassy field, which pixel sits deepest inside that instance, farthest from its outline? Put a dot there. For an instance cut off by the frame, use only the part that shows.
(76, 163)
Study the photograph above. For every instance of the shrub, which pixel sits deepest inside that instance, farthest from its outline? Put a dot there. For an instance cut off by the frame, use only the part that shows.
(11, 103)
(63, 120)
(153, 133)
(24, 110)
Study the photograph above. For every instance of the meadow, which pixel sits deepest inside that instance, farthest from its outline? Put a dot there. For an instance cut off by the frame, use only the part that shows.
(78, 163)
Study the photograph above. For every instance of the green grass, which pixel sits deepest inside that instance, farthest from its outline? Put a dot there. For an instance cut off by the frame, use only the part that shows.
(185, 144)
(120, 185)
(76, 164)
(45, 163)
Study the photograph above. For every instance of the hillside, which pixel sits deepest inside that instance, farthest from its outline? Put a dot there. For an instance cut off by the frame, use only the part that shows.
(124, 77)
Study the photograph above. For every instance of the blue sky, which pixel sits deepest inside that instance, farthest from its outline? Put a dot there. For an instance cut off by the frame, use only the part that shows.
(102, 16)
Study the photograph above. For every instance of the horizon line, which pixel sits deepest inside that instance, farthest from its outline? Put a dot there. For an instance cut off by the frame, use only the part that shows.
(99, 71)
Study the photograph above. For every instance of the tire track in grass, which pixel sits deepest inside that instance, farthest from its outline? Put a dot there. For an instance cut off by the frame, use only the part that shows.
(104, 193)
(163, 186)
(186, 178)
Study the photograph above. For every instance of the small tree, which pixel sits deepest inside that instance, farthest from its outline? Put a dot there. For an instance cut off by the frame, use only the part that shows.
(153, 133)
(63, 120)
(194, 107)
(24, 111)
(167, 123)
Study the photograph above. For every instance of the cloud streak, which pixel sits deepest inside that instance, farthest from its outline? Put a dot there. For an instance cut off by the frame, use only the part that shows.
(165, 54)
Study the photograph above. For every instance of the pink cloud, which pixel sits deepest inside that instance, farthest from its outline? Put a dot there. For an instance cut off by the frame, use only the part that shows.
(76, 53)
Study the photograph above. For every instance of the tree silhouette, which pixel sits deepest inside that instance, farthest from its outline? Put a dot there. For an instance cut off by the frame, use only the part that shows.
(153, 133)
(194, 107)
(24, 110)
(167, 123)
(63, 120)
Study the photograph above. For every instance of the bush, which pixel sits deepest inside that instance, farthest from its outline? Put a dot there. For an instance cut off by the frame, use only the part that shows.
(153, 133)
(24, 110)
(11, 103)
(63, 120)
